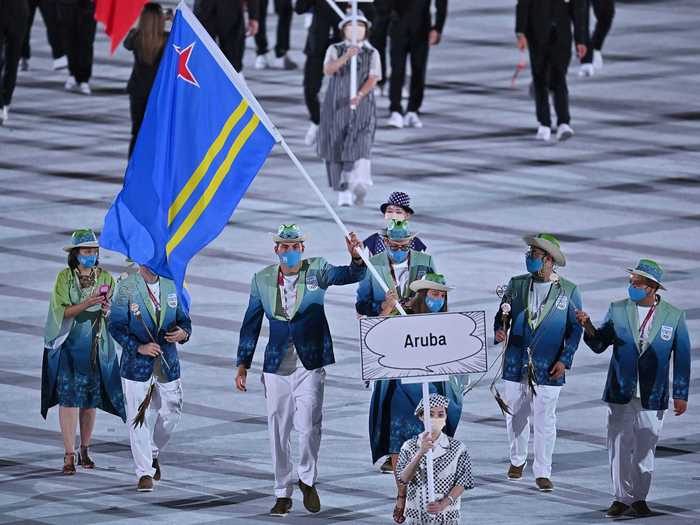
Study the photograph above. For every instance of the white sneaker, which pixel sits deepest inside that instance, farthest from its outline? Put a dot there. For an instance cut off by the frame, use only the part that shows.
(84, 88)
(395, 120)
(70, 83)
(261, 62)
(60, 63)
(597, 59)
(587, 70)
(286, 63)
(311, 135)
(411, 120)
(543, 133)
(564, 132)
(359, 193)
(4, 117)
(344, 198)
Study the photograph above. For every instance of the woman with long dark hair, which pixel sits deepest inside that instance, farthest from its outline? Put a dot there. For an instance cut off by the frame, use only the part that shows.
(80, 371)
(147, 42)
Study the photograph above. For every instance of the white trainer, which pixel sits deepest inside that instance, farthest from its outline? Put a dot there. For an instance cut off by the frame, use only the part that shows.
(564, 132)
(587, 70)
(395, 120)
(345, 198)
(597, 59)
(411, 120)
(286, 63)
(311, 135)
(60, 63)
(261, 62)
(84, 88)
(70, 83)
(4, 114)
(543, 133)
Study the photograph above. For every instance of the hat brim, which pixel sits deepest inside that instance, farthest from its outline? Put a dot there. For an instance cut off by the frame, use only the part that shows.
(422, 284)
(647, 275)
(384, 206)
(278, 239)
(384, 233)
(91, 244)
(549, 247)
(361, 20)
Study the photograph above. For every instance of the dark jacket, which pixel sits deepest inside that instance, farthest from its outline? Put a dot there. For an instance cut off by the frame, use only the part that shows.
(414, 16)
(223, 15)
(143, 74)
(536, 18)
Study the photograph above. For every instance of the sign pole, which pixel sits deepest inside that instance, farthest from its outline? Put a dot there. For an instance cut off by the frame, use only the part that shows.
(429, 455)
(353, 59)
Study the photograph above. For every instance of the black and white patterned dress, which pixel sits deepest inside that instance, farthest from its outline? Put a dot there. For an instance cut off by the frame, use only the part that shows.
(452, 466)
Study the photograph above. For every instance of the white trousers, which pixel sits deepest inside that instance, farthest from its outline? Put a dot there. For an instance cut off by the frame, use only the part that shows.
(632, 437)
(541, 409)
(294, 400)
(162, 417)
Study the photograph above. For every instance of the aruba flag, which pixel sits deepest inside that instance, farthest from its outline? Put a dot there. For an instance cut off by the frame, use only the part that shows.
(203, 139)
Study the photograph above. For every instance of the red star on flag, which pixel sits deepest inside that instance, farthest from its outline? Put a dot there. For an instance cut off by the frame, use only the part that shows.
(183, 68)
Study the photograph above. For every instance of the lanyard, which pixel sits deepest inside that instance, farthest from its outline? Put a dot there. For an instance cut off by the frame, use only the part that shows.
(154, 300)
(649, 315)
(283, 296)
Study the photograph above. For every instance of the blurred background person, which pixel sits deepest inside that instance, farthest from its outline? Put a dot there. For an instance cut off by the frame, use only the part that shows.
(147, 42)
(14, 15)
(284, 11)
(225, 21)
(604, 13)
(349, 120)
(412, 32)
(49, 13)
(76, 20)
(380, 35)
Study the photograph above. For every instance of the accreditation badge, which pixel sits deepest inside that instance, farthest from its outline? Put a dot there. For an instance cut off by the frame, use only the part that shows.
(562, 302)
(311, 282)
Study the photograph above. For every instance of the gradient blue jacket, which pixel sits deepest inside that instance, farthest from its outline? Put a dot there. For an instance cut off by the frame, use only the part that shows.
(649, 363)
(307, 325)
(555, 337)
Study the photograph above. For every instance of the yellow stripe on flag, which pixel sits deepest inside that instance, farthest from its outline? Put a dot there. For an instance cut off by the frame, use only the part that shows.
(203, 167)
(211, 190)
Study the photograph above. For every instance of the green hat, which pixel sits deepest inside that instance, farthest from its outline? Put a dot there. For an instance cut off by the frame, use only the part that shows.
(82, 239)
(289, 233)
(549, 243)
(398, 230)
(650, 269)
(431, 281)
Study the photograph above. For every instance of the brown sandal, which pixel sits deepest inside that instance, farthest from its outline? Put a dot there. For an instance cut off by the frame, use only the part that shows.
(69, 464)
(399, 510)
(84, 460)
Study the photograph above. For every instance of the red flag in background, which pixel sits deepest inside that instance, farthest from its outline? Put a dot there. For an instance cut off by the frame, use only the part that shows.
(118, 16)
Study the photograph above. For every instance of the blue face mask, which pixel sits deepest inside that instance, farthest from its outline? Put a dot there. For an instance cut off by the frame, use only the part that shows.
(434, 305)
(291, 258)
(636, 294)
(398, 256)
(87, 260)
(533, 265)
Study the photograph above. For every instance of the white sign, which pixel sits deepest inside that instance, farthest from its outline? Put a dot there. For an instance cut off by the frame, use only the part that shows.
(423, 345)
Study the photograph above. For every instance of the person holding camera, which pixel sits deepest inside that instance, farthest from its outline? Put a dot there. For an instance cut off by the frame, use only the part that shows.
(80, 371)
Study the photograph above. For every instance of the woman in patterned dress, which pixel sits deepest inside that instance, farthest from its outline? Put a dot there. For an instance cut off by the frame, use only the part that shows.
(451, 468)
(80, 370)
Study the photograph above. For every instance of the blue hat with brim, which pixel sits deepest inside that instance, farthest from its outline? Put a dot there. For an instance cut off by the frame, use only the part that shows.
(650, 269)
(398, 231)
(82, 239)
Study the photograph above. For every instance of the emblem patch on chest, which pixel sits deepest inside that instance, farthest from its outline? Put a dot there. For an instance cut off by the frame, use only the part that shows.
(172, 300)
(311, 282)
(562, 302)
(666, 332)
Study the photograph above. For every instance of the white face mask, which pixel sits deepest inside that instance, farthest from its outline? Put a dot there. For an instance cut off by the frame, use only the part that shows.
(437, 424)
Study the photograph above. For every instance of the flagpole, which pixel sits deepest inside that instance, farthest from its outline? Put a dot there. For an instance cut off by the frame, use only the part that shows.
(337, 220)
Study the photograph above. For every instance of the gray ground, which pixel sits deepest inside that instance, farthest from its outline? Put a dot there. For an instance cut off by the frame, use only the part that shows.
(626, 186)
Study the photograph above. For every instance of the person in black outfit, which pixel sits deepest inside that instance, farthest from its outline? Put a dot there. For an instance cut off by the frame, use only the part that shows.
(225, 20)
(604, 13)
(411, 33)
(49, 12)
(380, 34)
(322, 32)
(76, 19)
(284, 11)
(13, 25)
(544, 27)
(147, 42)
